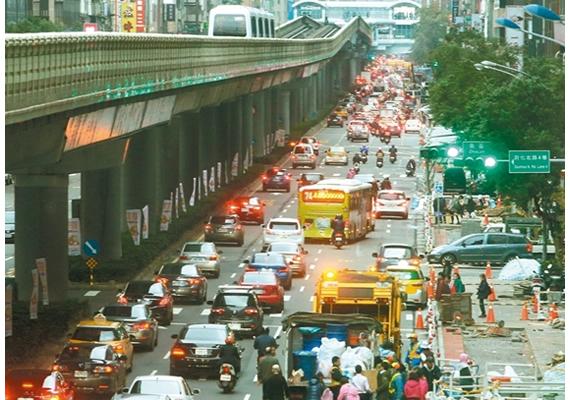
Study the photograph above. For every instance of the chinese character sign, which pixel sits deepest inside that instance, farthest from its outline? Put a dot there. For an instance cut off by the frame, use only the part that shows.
(140, 15)
(128, 16)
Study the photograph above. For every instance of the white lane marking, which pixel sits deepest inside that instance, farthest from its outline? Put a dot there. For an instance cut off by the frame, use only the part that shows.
(276, 194)
(388, 231)
(312, 299)
(286, 297)
(319, 251)
(166, 355)
(307, 277)
(9, 258)
(233, 275)
(395, 182)
(255, 379)
(177, 310)
(154, 371)
(336, 174)
(205, 311)
(312, 266)
(241, 264)
(302, 288)
(388, 225)
(92, 293)
(178, 323)
(277, 315)
(247, 396)
(316, 259)
(409, 317)
(162, 327)
(278, 332)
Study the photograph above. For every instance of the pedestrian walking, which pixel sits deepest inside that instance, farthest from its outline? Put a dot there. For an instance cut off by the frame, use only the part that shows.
(470, 207)
(442, 286)
(415, 388)
(266, 363)
(463, 372)
(483, 291)
(439, 209)
(316, 387)
(456, 209)
(360, 382)
(347, 390)
(413, 357)
(275, 387)
(263, 341)
(458, 283)
(383, 381)
(336, 376)
(431, 372)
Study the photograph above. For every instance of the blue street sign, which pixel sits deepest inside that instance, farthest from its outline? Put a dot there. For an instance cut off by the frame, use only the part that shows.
(91, 248)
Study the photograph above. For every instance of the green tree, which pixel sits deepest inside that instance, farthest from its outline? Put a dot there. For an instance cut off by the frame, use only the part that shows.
(34, 25)
(429, 34)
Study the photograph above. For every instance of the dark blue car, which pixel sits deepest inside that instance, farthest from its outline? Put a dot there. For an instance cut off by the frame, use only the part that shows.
(272, 262)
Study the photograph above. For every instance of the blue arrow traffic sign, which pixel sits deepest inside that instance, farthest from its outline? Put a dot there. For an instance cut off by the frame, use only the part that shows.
(91, 248)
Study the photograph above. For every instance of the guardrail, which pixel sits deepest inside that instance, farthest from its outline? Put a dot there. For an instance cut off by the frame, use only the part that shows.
(54, 72)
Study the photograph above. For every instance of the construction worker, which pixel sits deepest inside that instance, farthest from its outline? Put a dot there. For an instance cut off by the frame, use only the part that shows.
(396, 388)
(413, 358)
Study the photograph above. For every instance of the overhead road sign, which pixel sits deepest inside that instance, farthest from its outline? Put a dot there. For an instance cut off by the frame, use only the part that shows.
(529, 161)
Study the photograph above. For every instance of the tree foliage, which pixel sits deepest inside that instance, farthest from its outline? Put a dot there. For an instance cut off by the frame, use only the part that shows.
(34, 25)
(429, 34)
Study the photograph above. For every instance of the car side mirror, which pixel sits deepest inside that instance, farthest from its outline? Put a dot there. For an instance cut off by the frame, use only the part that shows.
(408, 198)
(422, 256)
(125, 390)
(236, 283)
(210, 302)
(375, 255)
(195, 392)
(174, 336)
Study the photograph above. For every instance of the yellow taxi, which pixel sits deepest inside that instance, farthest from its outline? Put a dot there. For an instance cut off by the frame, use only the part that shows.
(341, 112)
(100, 330)
(412, 282)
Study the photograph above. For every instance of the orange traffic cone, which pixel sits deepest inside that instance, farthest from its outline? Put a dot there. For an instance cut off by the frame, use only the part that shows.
(488, 271)
(430, 290)
(432, 274)
(486, 219)
(524, 312)
(490, 314)
(419, 319)
(535, 304)
(492, 296)
(553, 314)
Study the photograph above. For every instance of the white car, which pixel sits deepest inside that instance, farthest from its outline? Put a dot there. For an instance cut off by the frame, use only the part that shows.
(412, 126)
(391, 203)
(336, 155)
(313, 141)
(283, 229)
(175, 387)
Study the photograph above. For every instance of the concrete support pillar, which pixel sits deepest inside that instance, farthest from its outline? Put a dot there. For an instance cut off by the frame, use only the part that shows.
(102, 210)
(41, 232)
(259, 124)
(353, 63)
(285, 111)
(238, 131)
(247, 126)
(269, 129)
(313, 96)
(294, 108)
(319, 90)
(182, 123)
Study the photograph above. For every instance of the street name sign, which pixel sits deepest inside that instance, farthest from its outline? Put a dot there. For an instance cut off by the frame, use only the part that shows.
(529, 161)
(476, 149)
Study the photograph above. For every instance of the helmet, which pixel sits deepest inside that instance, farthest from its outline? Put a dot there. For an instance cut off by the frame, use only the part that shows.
(425, 345)
(338, 216)
(230, 340)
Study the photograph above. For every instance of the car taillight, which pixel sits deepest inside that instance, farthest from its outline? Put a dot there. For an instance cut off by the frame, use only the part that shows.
(193, 281)
(27, 385)
(119, 348)
(107, 369)
(283, 269)
(54, 397)
(161, 279)
(271, 289)
(208, 227)
(217, 311)
(257, 208)
(529, 247)
(177, 351)
(264, 177)
(250, 311)
(183, 257)
(141, 325)
(239, 228)
(164, 301)
(213, 258)
(415, 261)
(225, 370)
(287, 177)
(122, 299)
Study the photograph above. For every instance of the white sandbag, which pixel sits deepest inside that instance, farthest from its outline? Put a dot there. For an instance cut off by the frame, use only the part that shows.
(519, 269)
(510, 372)
(328, 349)
(555, 374)
(348, 361)
(366, 356)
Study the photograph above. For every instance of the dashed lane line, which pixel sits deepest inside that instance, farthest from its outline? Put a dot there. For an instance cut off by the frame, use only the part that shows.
(92, 293)
(205, 311)
(307, 277)
(162, 327)
(312, 298)
(287, 297)
(9, 258)
(312, 266)
(278, 332)
(276, 315)
(167, 355)
(302, 289)
(177, 310)
(154, 371)
(233, 275)
(247, 396)
(319, 251)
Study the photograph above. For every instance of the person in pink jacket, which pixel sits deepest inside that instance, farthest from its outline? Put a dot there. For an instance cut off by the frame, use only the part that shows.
(347, 390)
(416, 386)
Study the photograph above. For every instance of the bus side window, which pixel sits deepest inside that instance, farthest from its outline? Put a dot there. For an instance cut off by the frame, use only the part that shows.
(260, 27)
(253, 27)
(272, 28)
(267, 32)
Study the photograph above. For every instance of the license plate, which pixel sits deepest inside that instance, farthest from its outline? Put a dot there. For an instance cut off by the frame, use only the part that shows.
(179, 283)
(197, 259)
(244, 210)
(80, 374)
(25, 398)
(234, 327)
(222, 229)
(225, 377)
(200, 351)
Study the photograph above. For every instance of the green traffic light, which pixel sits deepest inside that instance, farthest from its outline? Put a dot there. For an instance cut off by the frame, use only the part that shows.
(490, 162)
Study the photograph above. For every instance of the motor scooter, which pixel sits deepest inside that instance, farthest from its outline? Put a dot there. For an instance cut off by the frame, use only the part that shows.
(379, 162)
(338, 239)
(393, 158)
(227, 375)
(410, 171)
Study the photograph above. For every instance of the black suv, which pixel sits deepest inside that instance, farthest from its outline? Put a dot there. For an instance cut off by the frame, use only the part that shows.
(239, 308)
(276, 178)
(224, 228)
(335, 120)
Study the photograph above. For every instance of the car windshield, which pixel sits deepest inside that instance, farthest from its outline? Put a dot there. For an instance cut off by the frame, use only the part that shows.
(336, 150)
(255, 278)
(267, 259)
(194, 247)
(301, 150)
(95, 334)
(405, 275)
(158, 386)
(397, 252)
(312, 177)
(190, 270)
(205, 333)
(284, 226)
(223, 220)
(124, 312)
(171, 269)
(75, 353)
(392, 196)
(284, 247)
(232, 300)
(138, 288)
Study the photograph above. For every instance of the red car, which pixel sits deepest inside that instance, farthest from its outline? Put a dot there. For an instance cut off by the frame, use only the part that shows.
(266, 285)
(247, 208)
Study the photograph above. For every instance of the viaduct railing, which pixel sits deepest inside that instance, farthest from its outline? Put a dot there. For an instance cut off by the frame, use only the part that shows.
(54, 72)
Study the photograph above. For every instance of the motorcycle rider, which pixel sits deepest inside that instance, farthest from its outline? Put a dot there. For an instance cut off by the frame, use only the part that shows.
(411, 166)
(351, 173)
(229, 354)
(380, 154)
(337, 225)
(364, 149)
(262, 342)
(356, 158)
(386, 184)
(393, 151)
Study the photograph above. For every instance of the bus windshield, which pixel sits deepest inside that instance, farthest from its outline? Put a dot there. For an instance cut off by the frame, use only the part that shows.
(229, 25)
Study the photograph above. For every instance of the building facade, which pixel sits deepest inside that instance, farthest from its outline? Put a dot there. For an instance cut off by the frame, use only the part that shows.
(393, 22)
